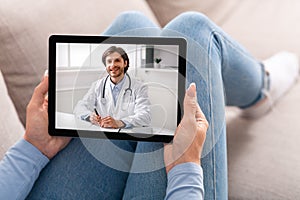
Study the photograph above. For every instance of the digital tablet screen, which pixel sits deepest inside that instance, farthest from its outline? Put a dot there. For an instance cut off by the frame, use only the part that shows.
(128, 88)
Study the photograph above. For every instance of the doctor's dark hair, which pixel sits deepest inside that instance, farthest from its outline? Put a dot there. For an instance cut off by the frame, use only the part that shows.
(119, 50)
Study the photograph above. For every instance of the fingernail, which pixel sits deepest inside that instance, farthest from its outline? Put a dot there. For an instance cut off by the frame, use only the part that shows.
(46, 73)
(192, 90)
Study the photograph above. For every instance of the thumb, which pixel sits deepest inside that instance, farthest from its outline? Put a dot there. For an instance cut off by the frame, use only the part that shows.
(190, 101)
(199, 114)
(40, 92)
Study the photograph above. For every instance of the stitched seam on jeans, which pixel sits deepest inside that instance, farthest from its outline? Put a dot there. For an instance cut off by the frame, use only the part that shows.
(215, 34)
(211, 114)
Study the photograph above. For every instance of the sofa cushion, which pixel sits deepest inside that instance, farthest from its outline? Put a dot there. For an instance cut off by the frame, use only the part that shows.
(263, 154)
(11, 129)
(217, 10)
(26, 25)
(265, 27)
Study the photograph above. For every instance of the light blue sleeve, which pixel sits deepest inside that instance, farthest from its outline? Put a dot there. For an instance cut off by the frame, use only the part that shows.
(127, 124)
(19, 169)
(185, 181)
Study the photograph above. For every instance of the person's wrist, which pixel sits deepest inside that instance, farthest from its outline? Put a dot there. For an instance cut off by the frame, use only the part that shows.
(37, 145)
(182, 161)
(46, 144)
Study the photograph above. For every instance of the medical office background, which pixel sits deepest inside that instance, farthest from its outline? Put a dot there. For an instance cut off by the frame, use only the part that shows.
(79, 65)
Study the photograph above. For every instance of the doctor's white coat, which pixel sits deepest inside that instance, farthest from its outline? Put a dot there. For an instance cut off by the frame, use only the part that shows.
(133, 109)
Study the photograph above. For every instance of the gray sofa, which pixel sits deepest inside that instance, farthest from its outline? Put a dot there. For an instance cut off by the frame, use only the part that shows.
(263, 159)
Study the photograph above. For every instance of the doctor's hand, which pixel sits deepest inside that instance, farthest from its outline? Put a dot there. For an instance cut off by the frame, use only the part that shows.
(190, 134)
(95, 119)
(109, 122)
(37, 123)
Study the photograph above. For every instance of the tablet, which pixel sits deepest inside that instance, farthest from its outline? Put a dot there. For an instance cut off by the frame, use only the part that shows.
(128, 88)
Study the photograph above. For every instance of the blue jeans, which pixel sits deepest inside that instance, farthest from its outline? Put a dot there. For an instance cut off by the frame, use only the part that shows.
(225, 74)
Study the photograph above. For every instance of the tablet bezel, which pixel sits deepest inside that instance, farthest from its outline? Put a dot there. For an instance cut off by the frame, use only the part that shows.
(54, 39)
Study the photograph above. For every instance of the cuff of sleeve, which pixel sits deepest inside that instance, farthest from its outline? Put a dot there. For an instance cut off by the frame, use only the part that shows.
(188, 167)
(27, 149)
(185, 181)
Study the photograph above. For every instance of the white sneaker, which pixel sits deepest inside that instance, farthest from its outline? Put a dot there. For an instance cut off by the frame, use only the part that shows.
(283, 70)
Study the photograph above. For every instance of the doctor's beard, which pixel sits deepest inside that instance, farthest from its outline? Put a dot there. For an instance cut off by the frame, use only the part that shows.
(116, 72)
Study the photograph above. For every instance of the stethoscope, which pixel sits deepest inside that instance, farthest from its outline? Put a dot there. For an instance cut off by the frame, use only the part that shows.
(127, 90)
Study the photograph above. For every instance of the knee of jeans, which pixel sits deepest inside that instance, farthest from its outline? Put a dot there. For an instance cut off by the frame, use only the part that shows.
(190, 23)
(192, 15)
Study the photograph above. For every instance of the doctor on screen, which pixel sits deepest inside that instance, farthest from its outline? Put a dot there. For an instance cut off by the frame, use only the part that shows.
(117, 100)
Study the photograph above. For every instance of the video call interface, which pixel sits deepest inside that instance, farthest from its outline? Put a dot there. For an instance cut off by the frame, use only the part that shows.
(130, 88)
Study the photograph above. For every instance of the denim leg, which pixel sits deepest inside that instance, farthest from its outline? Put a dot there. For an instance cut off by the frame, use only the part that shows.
(147, 179)
(242, 75)
(132, 23)
(204, 68)
(76, 173)
(222, 70)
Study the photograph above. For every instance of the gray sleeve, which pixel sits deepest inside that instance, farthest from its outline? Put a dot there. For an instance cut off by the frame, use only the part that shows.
(19, 169)
(185, 181)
